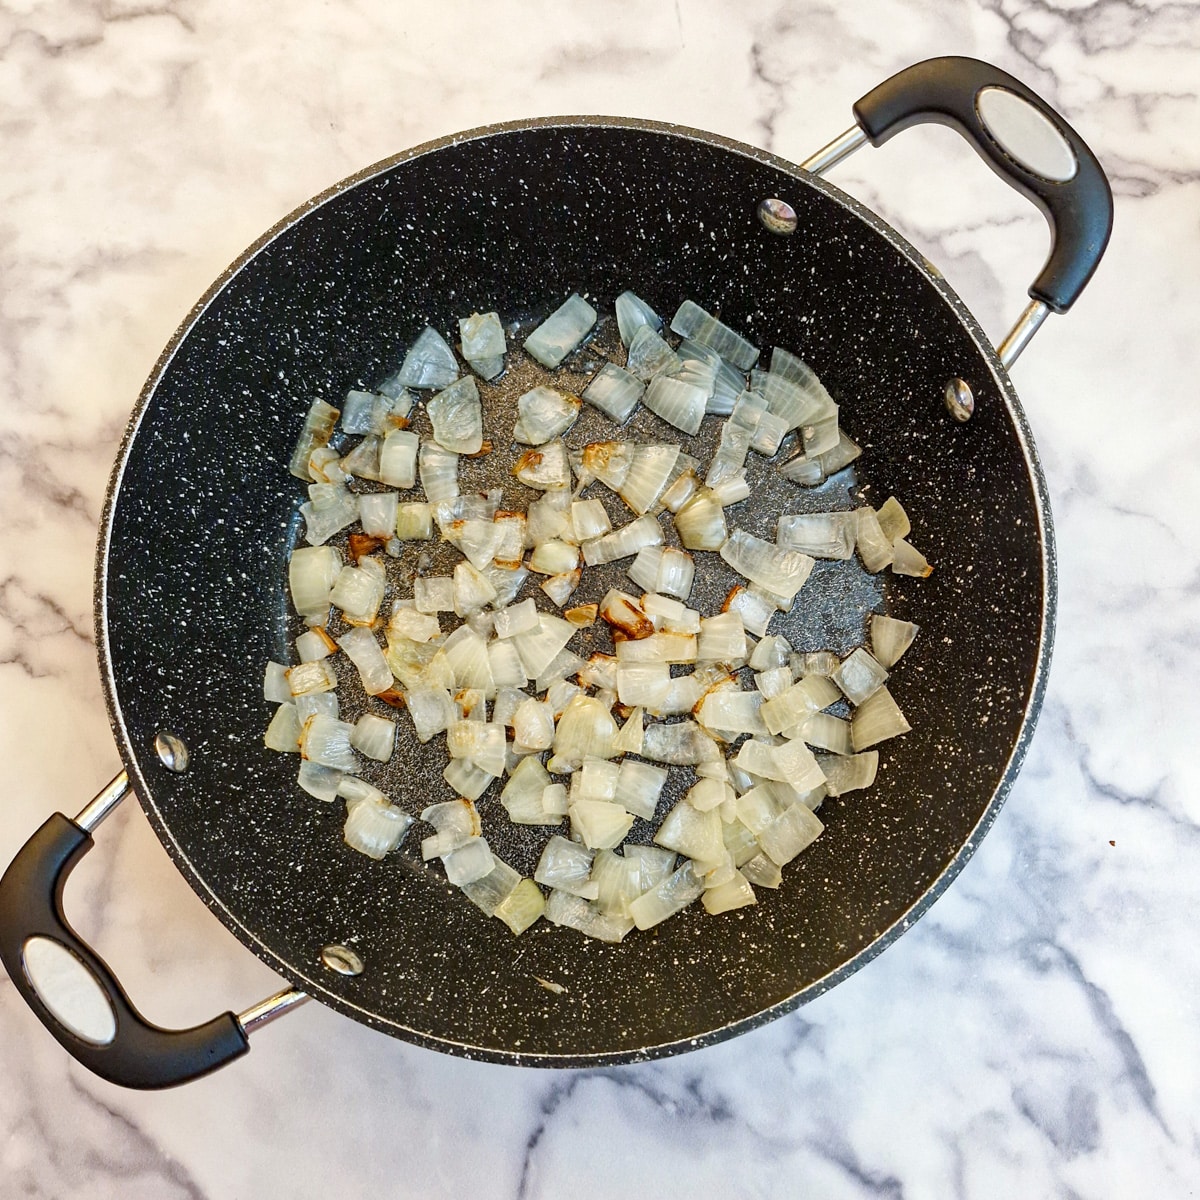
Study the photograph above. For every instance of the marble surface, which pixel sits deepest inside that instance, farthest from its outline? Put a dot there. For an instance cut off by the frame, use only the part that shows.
(1036, 1034)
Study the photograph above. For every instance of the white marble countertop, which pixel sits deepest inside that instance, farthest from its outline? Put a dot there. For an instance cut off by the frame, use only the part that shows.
(1036, 1034)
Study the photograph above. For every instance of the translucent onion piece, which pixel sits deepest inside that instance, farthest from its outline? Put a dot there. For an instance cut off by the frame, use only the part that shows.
(700, 523)
(808, 472)
(375, 829)
(517, 618)
(621, 543)
(510, 547)
(755, 610)
(599, 824)
(365, 412)
(328, 510)
(790, 833)
(283, 733)
(822, 535)
(522, 907)
(849, 773)
(312, 703)
(731, 710)
(709, 794)
(629, 739)
(456, 415)
(859, 675)
(466, 654)
(632, 313)
(472, 589)
(762, 872)
(740, 842)
(429, 364)
(827, 732)
(649, 356)
(672, 895)
(774, 682)
(678, 403)
(694, 834)
(772, 651)
(507, 583)
(737, 893)
(481, 339)
(680, 492)
(722, 638)
(564, 909)
(585, 730)
(312, 572)
(909, 561)
(358, 591)
(533, 726)
(433, 594)
(615, 392)
(319, 424)
(326, 740)
(468, 781)
(431, 710)
(554, 558)
(876, 720)
(275, 679)
(377, 514)
(564, 663)
(319, 782)
(438, 469)
(523, 793)
(560, 587)
(505, 665)
(842, 455)
(731, 489)
(890, 638)
(567, 867)
(539, 646)
(791, 708)
(819, 662)
(874, 548)
(792, 763)
(893, 520)
(589, 520)
(691, 321)
(547, 468)
(324, 466)
(650, 469)
(638, 787)
(312, 677)
(561, 332)
(778, 570)
(414, 521)
(664, 570)
(582, 615)
(363, 651)
(398, 459)
(413, 624)
(619, 881)
(543, 414)
(469, 862)
(680, 744)
(490, 892)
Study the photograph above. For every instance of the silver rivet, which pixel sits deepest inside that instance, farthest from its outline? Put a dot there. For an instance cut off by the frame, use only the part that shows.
(171, 750)
(960, 401)
(777, 215)
(342, 959)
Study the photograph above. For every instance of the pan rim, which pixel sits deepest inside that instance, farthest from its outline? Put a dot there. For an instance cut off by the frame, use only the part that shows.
(311, 982)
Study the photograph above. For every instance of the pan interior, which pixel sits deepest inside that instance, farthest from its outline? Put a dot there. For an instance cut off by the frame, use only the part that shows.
(203, 515)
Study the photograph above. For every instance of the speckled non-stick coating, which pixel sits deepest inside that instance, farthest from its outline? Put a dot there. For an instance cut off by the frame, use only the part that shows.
(191, 578)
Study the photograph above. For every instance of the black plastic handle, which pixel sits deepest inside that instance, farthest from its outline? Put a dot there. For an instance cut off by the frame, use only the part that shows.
(141, 1055)
(945, 91)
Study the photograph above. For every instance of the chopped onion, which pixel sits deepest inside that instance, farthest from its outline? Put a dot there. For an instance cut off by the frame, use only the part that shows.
(731, 489)
(621, 543)
(585, 730)
(275, 679)
(629, 738)
(284, 731)
(792, 763)
(363, 460)
(632, 313)
(505, 665)
(678, 403)
(890, 638)
(456, 415)
(849, 773)
(561, 332)
(691, 321)
(467, 656)
(565, 909)
(754, 609)
(582, 615)
(736, 893)
(644, 684)
(433, 594)
(517, 618)
(472, 589)
(694, 834)
(329, 509)
(374, 736)
(506, 583)
(554, 558)
(560, 587)
(677, 494)
(859, 675)
(547, 468)
(412, 624)
(319, 424)
(312, 572)
(672, 895)
(363, 651)
(649, 356)
(615, 392)
(543, 414)
(780, 571)
(792, 707)
(567, 867)
(312, 703)
(469, 862)
(609, 462)
(538, 647)
(893, 520)
(909, 561)
(564, 663)
(438, 469)
(482, 343)
(876, 720)
(774, 682)
(312, 677)
(819, 662)
(730, 710)
(398, 459)
(762, 872)
(377, 514)
(429, 363)
(467, 780)
(681, 744)
(326, 740)
(533, 726)
(522, 794)
(599, 824)
(319, 782)
(638, 787)
(490, 891)
(793, 831)
(375, 829)
(522, 907)
(874, 547)
(700, 523)
(772, 651)
(722, 638)
(650, 469)
(821, 535)
(664, 570)
(827, 732)
(414, 521)
(358, 591)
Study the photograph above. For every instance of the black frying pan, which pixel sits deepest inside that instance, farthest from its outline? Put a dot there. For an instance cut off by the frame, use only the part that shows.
(201, 514)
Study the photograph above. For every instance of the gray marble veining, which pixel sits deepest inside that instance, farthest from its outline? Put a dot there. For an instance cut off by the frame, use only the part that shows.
(1036, 1033)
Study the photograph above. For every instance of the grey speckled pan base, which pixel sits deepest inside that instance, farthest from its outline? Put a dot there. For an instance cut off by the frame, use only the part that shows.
(191, 573)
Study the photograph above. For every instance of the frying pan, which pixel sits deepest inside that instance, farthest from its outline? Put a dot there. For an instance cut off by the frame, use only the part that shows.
(201, 515)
